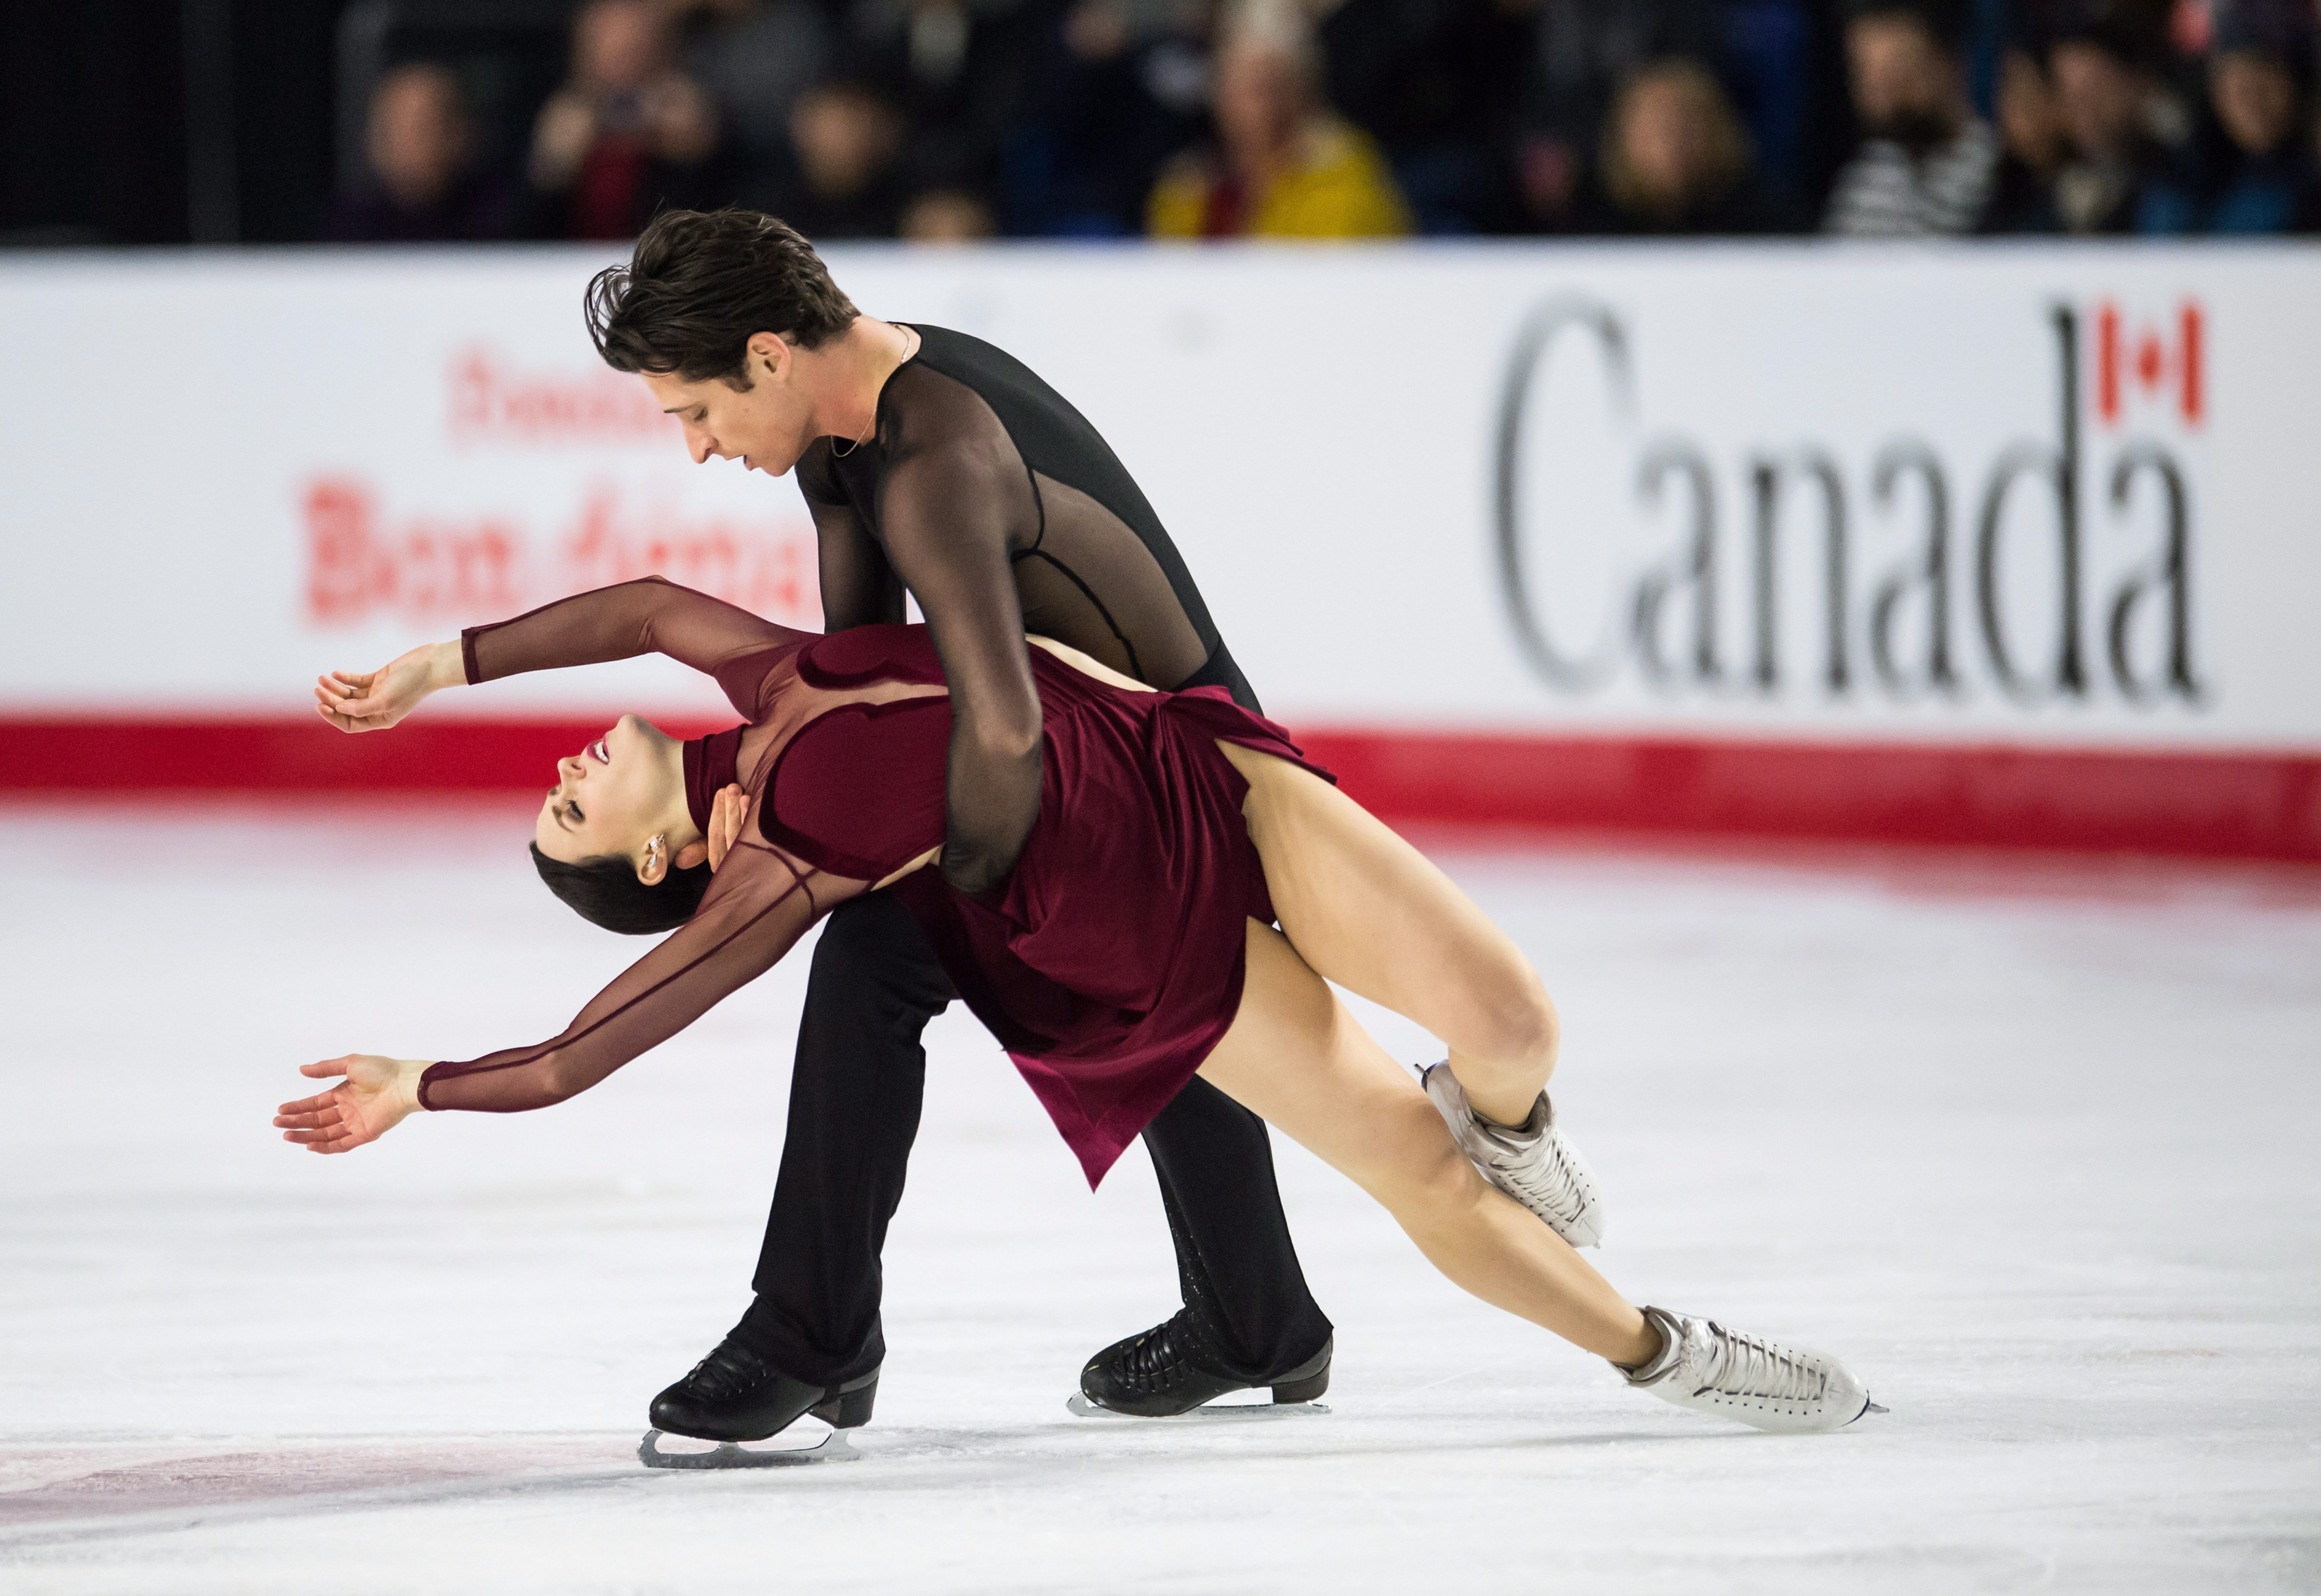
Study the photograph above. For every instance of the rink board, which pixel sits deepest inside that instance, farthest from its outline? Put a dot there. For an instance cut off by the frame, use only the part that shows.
(2009, 545)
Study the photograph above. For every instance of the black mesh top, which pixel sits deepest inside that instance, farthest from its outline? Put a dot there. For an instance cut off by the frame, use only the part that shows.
(1001, 510)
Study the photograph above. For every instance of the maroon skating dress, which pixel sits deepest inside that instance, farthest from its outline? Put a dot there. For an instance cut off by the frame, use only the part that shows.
(1109, 964)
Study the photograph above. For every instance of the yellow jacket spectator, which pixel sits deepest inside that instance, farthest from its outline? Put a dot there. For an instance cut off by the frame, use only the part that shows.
(1284, 166)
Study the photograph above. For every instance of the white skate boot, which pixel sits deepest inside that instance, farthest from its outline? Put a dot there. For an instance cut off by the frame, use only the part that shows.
(1707, 1367)
(1530, 1162)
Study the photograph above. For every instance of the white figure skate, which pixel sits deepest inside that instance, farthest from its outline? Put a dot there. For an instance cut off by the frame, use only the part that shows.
(1530, 1162)
(1704, 1366)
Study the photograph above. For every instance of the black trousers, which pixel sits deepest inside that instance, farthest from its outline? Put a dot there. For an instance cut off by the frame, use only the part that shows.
(855, 1111)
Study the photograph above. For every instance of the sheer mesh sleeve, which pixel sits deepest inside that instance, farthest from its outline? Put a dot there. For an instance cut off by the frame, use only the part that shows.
(859, 587)
(758, 906)
(946, 513)
(650, 616)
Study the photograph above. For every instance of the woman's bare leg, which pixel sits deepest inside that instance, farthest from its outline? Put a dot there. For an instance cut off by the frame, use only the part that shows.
(1295, 1057)
(1368, 911)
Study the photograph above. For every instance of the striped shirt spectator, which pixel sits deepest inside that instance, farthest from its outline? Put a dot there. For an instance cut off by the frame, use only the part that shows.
(1927, 166)
(1887, 192)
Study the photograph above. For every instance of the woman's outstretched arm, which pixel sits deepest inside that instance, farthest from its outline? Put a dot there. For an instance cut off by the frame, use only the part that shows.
(650, 616)
(760, 903)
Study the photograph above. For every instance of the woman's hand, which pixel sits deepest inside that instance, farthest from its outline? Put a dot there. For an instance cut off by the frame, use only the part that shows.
(372, 1101)
(374, 700)
(725, 813)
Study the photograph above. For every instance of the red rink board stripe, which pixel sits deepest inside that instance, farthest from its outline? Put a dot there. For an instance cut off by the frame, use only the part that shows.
(2250, 806)
(2217, 805)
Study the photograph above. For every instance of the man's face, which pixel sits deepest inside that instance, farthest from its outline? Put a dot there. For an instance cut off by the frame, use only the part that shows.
(766, 426)
(418, 139)
(2255, 100)
(2101, 96)
(1904, 84)
(1260, 98)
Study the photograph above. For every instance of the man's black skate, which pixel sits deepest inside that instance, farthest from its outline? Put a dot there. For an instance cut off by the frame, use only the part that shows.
(1173, 1370)
(734, 1395)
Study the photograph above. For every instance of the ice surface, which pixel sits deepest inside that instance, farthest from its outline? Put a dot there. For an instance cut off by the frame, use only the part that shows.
(2030, 1145)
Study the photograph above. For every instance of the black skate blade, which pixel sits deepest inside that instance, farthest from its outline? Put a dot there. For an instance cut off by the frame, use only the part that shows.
(1209, 1413)
(835, 1447)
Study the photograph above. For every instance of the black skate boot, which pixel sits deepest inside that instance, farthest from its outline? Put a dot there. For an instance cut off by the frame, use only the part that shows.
(734, 1395)
(1174, 1369)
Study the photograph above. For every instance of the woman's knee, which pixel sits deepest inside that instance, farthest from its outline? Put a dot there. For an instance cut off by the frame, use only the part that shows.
(1516, 1021)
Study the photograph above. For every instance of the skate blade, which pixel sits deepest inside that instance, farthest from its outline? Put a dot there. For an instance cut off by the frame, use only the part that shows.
(1211, 1413)
(835, 1447)
(1874, 1408)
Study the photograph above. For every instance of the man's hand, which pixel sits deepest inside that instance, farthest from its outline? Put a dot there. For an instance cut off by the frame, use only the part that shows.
(374, 700)
(725, 813)
(372, 1101)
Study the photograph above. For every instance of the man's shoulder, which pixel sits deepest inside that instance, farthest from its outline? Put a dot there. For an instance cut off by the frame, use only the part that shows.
(964, 357)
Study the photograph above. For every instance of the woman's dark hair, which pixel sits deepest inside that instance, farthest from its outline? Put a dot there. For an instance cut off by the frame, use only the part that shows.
(699, 284)
(605, 891)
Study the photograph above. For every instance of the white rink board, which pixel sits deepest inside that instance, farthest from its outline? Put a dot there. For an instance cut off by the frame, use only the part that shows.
(229, 471)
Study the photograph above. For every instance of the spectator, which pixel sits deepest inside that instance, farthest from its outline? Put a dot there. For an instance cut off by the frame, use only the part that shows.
(1284, 165)
(948, 216)
(2110, 106)
(1581, 52)
(2031, 133)
(1781, 64)
(626, 134)
(961, 73)
(846, 137)
(2259, 82)
(1123, 85)
(1436, 83)
(755, 59)
(1676, 160)
(425, 186)
(1928, 164)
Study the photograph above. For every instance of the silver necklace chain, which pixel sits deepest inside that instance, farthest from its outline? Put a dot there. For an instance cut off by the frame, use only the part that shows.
(909, 350)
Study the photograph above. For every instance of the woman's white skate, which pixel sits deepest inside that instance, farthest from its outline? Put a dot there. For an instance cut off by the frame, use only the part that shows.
(1789, 1389)
(1530, 1162)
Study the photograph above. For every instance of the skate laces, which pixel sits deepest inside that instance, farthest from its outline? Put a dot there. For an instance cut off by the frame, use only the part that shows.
(1160, 1356)
(1545, 1177)
(1749, 1366)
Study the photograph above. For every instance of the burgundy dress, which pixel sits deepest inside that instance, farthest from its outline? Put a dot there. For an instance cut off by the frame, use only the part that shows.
(1108, 963)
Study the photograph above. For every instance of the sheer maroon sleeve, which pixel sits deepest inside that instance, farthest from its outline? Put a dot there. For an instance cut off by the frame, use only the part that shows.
(947, 513)
(651, 615)
(760, 902)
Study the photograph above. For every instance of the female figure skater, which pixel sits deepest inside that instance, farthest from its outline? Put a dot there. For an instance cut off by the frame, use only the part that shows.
(1134, 934)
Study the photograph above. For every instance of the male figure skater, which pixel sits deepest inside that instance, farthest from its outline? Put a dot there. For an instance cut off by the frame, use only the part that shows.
(935, 463)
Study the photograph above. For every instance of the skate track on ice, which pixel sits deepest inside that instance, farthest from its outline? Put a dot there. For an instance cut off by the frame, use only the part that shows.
(2030, 1142)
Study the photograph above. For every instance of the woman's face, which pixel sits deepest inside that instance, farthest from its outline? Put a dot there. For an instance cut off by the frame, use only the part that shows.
(1667, 148)
(2027, 117)
(2099, 96)
(609, 796)
(2255, 99)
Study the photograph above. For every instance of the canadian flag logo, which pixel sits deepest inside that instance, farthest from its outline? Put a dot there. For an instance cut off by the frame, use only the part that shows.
(2151, 361)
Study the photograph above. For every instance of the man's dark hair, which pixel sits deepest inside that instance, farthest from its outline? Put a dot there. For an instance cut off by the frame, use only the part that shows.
(700, 283)
(605, 891)
(2111, 26)
(1944, 20)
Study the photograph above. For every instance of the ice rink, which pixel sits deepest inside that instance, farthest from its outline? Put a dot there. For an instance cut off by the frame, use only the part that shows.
(2031, 1144)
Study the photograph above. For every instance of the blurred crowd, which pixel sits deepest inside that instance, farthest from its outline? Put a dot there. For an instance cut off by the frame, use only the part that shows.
(949, 120)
